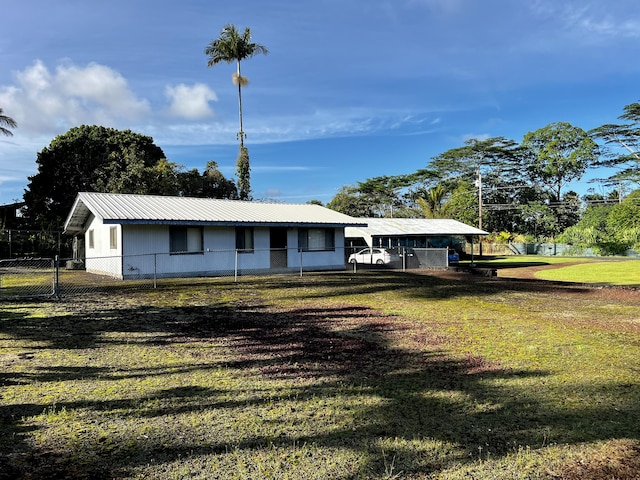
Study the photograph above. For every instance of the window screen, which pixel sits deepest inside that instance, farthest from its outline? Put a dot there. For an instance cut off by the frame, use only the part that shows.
(316, 239)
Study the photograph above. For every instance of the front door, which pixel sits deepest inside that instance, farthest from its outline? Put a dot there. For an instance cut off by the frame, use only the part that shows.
(278, 247)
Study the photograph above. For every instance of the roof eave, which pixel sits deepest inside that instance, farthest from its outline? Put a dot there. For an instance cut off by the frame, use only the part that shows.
(234, 223)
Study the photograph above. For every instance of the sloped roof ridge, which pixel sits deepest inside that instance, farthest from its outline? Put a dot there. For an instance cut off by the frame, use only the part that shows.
(208, 199)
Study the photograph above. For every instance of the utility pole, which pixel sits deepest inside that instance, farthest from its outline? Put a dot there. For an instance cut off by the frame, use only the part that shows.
(479, 185)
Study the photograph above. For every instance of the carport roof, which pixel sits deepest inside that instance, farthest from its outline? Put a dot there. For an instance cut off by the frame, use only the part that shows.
(114, 208)
(403, 227)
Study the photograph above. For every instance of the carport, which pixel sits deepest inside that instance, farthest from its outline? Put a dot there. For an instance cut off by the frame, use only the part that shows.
(418, 234)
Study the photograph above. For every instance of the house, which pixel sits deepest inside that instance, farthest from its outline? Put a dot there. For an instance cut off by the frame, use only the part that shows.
(143, 236)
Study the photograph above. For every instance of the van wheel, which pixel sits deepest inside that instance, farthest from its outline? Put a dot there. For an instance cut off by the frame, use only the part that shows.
(380, 261)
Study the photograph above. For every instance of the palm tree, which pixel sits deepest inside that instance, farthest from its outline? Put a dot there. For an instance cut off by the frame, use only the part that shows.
(432, 201)
(231, 47)
(6, 122)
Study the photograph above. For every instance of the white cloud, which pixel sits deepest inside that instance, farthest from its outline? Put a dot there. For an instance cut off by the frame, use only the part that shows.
(273, 192)
(593, 20)
(190, 102)
(45, 102)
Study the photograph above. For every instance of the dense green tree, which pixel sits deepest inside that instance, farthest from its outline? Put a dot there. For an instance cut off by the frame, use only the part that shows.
(233, 46)
(462, 204)
(567, 212)
(350, 201)
(94, 158)
(557, 154)
(539, 220)
(593, 199)
(609, 228)
(210, 184)
(625, 215)
(591, 230)
(6, 123)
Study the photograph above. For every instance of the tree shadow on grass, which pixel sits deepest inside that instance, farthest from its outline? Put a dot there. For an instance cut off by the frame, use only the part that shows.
(424, 284)
(401, 385)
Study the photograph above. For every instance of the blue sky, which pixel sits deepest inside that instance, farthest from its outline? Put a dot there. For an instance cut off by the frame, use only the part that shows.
(351, 89)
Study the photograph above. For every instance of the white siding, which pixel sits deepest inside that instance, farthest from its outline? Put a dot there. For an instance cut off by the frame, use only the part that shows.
(146, 253)
(103, 259)
(321, 260)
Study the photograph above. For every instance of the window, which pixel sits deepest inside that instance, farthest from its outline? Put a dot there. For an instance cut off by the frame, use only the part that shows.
(185, 240)
(91, 239)
(314, 239)
(244, 239)
(113, 237)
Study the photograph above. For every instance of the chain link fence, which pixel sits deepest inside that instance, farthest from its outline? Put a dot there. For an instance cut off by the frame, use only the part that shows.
(27, 277)
(46, 277)
(397, 258)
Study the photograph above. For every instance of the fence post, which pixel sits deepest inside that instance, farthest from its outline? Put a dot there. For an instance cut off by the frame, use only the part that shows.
(235, 269)
(56, 276)
(155, 270)
(300, 250)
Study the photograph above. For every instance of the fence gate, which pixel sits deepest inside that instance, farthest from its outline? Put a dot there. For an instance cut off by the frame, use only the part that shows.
(27, 277)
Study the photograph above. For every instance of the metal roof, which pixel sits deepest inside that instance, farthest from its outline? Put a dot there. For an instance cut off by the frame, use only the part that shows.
(114, 208)
(400, 227)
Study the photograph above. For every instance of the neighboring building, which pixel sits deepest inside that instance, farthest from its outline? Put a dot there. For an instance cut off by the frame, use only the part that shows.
(10, 215)
(409, 232)
(133, 236)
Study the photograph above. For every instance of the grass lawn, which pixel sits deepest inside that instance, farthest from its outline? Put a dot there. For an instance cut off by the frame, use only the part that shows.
(625, 272)
(600, 270)
(330, 376)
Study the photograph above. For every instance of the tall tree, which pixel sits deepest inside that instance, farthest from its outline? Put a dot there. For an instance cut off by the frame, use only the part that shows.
(6, 123)
(233, 46)
(621, 147)
(94, 158)
(558, 154)
(494, 166)
(497, 154)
